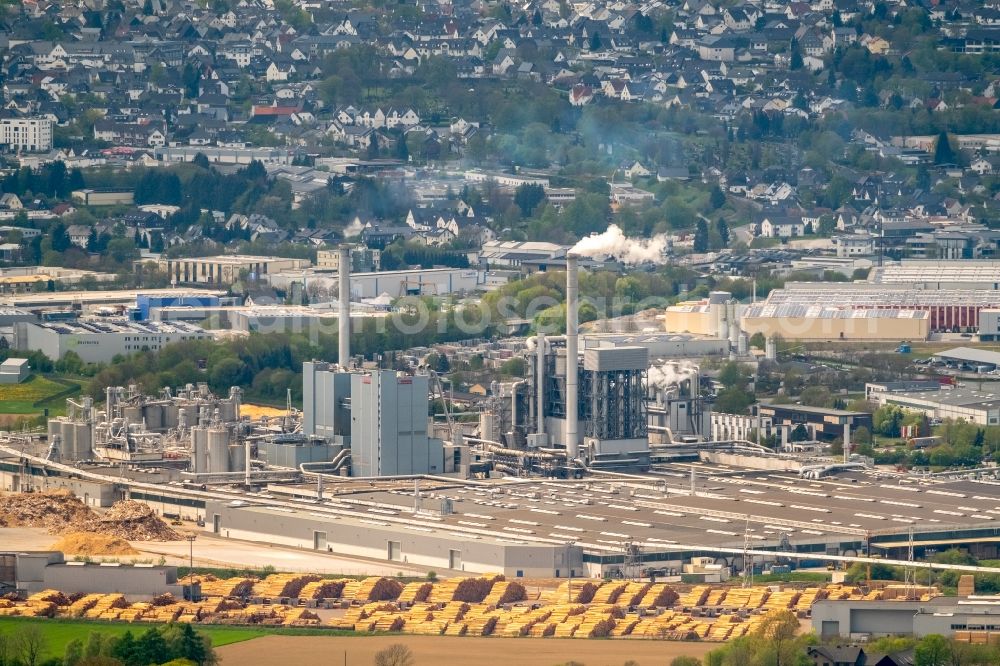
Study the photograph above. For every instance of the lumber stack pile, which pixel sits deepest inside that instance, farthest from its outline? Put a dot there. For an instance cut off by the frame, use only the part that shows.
(479, 621)
(659, 595)
(523, 624)
(634, 593)
(415, 592)
(105, 607)
(300, 617)
(608, 593)
(598, 621)
(572, 591)
(282, 585)
(376, 589)
(781, 600)
(505, 592)
(356, 616)
(807, 598)
(226, 587)
(714, 598)
(750, 598)
(82, 605)
(696, 596)
(624, 626)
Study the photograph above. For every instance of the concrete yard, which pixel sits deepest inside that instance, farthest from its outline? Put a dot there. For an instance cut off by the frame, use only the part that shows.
(455, 651)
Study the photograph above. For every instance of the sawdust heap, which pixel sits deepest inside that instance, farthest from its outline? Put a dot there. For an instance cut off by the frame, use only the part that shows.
(89, 543)
(132, 521)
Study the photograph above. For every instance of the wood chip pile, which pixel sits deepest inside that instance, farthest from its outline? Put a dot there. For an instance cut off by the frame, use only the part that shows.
(91, 543)
(58, 511)
(132, 521)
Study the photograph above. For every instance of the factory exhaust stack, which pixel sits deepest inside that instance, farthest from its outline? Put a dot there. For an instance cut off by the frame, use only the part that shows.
(344, 307)
(572, 359)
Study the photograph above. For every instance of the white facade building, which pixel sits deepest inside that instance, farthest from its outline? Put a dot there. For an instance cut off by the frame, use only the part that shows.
(29, 134)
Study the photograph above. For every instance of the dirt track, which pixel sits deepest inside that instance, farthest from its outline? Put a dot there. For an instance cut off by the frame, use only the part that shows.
(455, 651)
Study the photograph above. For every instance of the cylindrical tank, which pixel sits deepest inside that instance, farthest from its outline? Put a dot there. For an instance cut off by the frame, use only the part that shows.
(218, 450)
(487, 425)
(68, 447)
(182, 418)
(84, 440)
(237, 458)
(199, 450)
(227, 410)
(743, 344)
(133, 414)
(770, 349)
(153, 415)
(170, 412)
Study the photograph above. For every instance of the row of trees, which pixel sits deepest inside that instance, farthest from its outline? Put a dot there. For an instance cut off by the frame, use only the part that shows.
(174, 644)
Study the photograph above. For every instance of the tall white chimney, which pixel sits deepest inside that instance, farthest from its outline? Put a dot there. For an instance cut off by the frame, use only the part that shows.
(540, 381)
(572, 359)
(344, 307)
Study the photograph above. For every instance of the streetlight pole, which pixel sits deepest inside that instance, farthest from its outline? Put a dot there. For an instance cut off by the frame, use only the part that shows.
(190, 539)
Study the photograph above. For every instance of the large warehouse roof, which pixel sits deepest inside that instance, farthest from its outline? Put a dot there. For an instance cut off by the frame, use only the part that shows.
(928, 271)
(862, 294)
(970, 355)
(828, 312)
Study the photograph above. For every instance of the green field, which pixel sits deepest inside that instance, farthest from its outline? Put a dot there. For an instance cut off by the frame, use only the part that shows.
(58, 632)
(31, 396)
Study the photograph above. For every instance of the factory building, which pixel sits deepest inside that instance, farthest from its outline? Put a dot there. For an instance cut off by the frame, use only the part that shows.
(933, 275)
(973, 406)
(714, 316)
(422, 282)
(822, 423)
(226, 269)
(48, 570)
(948, 309)
(100, 340)
(946, 616)
(382, 416)
(389, 426)
(819, 322)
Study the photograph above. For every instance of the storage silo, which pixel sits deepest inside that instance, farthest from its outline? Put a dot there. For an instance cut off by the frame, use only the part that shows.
(153, 414)
(82, 440)
(133, 414)
(237, 458)
(218, 450)
(199, 450)
(68, 447)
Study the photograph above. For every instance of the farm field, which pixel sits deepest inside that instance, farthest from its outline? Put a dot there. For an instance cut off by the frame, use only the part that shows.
(57, 633)
(456, 651)
(32, 396)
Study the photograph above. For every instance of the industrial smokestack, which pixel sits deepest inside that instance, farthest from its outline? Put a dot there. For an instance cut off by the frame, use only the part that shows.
(344, 305)
(540, 382)
(572, 359)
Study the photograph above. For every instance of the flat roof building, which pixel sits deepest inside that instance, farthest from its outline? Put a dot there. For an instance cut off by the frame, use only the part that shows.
(99, 341)
(980, 407)
(795, 321)
(226, 269)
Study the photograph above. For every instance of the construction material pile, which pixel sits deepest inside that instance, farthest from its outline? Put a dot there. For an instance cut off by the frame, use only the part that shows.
(132, 521)
(572, 591)
(90, 543)
(505, 592)
(56, 510)
(415, 592)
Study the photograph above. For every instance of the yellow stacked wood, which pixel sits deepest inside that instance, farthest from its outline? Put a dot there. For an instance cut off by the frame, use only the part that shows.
(355, 615)
(634, 593)
(282, 585)
(300, 617)
(542, 629)
(227, 587)
(53, 596)
(82, 605)
(659, 595)
(696, 596)
(472, 590)
(325, 588)
(421, 619)
(414, 592)
(165, 614)
(750, 598)
(388, 622)
(722, 627)
(782, 600)
(376, 588)
(453, 611)
(608, 593)
(505, 592)
(524, 623)
(444, 591)
(507, 617)
(456, 629)
(105, 604)
(480, 621)
(598, 621)
(571, 591)
(568, 627)
(625, 626)
(714, 597)
(560, 612)
(808, 597)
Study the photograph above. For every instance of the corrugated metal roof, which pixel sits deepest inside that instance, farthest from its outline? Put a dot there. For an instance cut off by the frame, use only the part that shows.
(971, 355)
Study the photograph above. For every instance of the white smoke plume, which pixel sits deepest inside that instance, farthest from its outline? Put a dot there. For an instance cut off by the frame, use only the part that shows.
(353, 229)
(670, 374)
(613, 242)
